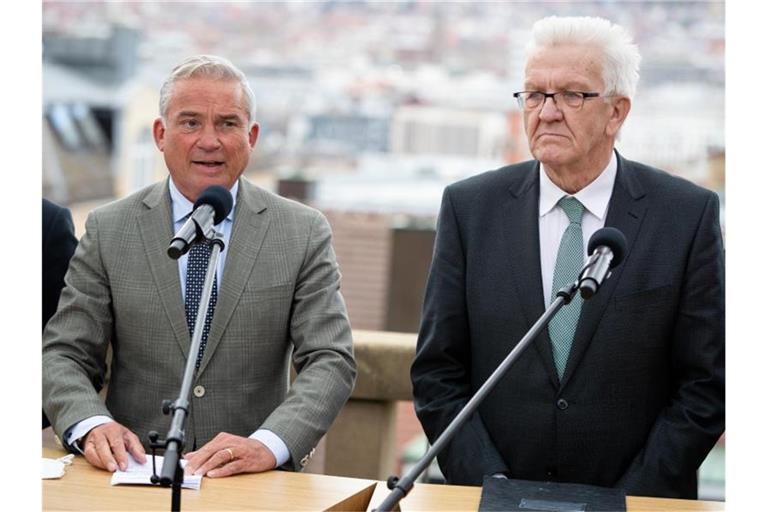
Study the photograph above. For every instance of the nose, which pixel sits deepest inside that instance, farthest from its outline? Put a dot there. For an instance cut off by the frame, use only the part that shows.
(209, 139)
(549, 111)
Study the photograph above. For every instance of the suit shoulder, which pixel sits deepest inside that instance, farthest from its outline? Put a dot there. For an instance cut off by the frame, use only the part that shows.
(128, 206)
(491, 181)
(50, 209)
(281, 206)
(58, 228)
(54, 214)
(666, 186)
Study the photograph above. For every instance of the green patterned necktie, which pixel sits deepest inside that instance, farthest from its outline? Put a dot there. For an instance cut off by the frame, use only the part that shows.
(570, 260)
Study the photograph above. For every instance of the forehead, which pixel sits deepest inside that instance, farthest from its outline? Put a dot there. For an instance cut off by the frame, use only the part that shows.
(205, 94)
(565, 66)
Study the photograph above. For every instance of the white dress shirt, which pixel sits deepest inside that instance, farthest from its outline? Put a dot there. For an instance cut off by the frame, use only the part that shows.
(181, 208)
(553, 221)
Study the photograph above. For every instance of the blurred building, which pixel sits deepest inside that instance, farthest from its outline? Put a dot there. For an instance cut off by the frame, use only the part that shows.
(676, 127)
(350, 134)
(384, 268)
(384, 257)
(90, 100)
(429, 130)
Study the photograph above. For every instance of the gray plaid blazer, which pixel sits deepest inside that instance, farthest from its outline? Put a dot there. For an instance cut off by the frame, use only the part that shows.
(279, 302)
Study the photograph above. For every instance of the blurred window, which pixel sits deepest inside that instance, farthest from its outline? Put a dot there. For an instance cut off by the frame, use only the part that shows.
(64, 126)
(88, 126)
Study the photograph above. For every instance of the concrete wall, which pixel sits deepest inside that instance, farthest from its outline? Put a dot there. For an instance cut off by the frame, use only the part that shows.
(362, 441)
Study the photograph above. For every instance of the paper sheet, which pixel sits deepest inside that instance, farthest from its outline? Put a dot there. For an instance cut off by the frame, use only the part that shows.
(139, 474)
(54, 468)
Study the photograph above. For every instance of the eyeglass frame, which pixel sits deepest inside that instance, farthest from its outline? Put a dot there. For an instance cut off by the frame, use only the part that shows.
(584, 96)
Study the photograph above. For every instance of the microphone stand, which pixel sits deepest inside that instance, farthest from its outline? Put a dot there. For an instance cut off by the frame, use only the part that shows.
(401, 487)
(172, 473)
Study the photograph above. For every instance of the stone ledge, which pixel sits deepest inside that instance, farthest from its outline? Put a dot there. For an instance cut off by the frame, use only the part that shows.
(384, 364)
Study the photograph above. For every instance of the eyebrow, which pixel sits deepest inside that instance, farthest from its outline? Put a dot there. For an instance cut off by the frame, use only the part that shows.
(229, 117)
(570, 86)
(223, 117)
(193, 113)
(188, 113)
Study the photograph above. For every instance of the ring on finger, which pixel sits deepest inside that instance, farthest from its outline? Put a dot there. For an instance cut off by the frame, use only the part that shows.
(231, 454)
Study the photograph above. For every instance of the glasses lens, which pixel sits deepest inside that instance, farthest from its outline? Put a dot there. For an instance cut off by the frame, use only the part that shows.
(572, 99)
(533, 99)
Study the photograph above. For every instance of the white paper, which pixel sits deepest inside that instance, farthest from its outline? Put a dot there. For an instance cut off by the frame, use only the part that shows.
(54, 468)
(140, 474)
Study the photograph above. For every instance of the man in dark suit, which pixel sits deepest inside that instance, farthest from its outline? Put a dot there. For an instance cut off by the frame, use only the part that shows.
(624, 390)
(59, 244)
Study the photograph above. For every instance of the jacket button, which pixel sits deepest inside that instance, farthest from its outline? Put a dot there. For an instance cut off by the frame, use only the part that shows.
(551, 472)
(199, 391)
(562, 404)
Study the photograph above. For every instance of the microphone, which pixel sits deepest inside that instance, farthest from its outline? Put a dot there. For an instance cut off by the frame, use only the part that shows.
(607, 247)
(212, 207)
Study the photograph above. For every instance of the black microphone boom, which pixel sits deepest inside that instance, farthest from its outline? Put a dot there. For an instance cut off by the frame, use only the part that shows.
(607, 248)
(212, 207)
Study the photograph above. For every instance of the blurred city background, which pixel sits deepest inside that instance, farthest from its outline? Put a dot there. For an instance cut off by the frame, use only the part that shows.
(367, 111)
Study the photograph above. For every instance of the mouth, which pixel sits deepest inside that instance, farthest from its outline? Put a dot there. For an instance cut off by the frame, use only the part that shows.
(211, 164)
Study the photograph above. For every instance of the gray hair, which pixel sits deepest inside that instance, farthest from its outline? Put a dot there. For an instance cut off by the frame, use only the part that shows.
(621, 57)
(207, 66)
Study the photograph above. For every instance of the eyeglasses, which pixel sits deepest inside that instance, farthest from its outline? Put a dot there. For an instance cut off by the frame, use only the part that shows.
(529, 100)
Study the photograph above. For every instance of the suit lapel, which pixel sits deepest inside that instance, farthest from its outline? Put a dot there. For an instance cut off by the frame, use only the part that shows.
(155, 228)
(248, 232)
(522, 217)
(626, 211)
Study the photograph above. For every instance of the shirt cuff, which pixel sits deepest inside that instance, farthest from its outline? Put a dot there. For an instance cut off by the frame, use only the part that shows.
(80, 429)
(274, 444)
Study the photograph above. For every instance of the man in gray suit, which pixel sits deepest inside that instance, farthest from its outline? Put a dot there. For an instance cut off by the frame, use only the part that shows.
(277, 302)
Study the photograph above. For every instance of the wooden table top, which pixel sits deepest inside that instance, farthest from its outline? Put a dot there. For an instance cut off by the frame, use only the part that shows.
(426, 497)
(84, 487)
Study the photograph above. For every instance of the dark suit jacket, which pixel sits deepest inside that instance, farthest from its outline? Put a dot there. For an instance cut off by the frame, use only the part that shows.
(59, 243)
(642, 399)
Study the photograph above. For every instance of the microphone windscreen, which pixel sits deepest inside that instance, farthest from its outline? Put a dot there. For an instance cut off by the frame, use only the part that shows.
(219, 199)
(611, 238)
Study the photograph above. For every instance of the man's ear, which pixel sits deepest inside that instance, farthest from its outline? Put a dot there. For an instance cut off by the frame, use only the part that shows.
(253, 134)
(158, 131)
(619, 111)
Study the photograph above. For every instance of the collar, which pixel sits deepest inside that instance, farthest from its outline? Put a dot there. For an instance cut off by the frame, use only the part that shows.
(594, 196)
(182, 207)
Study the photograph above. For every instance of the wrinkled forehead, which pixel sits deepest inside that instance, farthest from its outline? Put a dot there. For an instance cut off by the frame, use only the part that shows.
(565, 66)
(202, 93)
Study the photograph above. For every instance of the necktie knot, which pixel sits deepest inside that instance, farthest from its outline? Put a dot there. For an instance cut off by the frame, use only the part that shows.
(572, 208)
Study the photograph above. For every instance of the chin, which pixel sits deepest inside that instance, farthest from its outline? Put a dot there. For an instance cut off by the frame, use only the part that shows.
(224, 181)
(552, 156)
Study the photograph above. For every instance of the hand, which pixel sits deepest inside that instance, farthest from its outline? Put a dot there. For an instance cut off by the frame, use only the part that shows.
(107, 447)
(227, 454)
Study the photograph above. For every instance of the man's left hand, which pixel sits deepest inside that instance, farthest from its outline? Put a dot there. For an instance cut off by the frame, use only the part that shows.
(227, 454)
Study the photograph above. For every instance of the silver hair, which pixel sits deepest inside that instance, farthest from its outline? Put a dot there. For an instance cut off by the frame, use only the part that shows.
(621, 57)
(207, 66)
